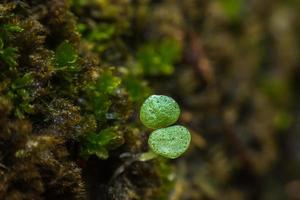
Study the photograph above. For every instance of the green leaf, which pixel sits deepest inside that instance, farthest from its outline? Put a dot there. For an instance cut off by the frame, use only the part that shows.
(159, 111)
(65, 55)
(170, 142)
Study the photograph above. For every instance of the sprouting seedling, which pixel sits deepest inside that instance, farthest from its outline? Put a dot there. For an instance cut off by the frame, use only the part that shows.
(159, 112)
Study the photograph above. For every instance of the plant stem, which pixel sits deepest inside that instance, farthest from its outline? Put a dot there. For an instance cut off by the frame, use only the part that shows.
(147, 156)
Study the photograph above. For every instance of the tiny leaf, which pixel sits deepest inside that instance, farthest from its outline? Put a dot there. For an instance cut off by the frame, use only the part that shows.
(170, 142)
(159, 111)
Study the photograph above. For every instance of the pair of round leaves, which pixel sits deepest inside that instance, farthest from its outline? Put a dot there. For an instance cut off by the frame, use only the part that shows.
(158, 112)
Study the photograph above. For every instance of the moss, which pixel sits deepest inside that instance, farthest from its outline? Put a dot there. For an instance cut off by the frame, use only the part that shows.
(66, 56)
(59, 104)
(99, 144)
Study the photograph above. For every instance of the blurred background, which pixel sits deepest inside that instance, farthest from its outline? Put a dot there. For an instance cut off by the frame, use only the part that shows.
(238, 82)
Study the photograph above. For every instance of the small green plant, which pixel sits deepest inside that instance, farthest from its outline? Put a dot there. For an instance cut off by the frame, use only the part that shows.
(159, 112)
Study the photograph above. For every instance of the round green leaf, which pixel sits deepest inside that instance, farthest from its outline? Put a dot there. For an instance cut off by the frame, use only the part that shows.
(170, 142)
(159, 111)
